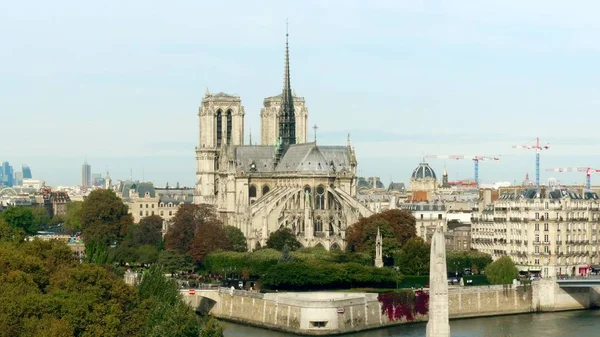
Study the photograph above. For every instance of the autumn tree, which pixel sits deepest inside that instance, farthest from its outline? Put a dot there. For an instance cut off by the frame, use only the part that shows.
(282, 238)
(397, 227)
(236, 239)
(209, 237)
(104, 217)
(148, 231)
(413, 257)
(189, 217)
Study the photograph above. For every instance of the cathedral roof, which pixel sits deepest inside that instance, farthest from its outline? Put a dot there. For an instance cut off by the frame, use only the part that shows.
(259, 155)
(303, 158)
(307, 157)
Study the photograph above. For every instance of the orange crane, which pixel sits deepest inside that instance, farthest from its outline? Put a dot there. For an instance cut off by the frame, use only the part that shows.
(475, 159)
(588, 172)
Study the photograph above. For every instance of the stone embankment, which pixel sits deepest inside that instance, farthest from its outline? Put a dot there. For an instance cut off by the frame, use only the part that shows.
(325, 313)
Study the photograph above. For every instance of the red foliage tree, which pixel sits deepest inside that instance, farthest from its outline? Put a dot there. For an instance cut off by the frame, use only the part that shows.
(183, 228)
(398, 225)
(208, 238)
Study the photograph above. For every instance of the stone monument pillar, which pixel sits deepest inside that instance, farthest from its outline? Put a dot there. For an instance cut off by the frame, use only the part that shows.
(438, 325)
(378, 250)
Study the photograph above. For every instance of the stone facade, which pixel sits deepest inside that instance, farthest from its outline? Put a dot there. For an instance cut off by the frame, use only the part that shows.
(306, 187)
(143, 199)
(545, 232)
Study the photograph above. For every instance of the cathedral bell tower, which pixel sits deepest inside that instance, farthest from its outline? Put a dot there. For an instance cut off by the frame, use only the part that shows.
(221, 125)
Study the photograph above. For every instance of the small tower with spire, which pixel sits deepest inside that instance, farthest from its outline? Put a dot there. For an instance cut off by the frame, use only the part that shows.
(378, 250)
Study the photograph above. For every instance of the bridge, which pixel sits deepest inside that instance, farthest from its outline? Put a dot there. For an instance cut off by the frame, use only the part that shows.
(203, 300)
(579, 281)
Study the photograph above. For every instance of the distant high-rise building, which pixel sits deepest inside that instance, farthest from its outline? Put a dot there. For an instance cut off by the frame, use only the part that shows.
(26, 172)
(86, 175)
(18, 178)
(6, 175)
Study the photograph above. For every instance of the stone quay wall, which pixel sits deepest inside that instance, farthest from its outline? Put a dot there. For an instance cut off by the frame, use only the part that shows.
(328, 313)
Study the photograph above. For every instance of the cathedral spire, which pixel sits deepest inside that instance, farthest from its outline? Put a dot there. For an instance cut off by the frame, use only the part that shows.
(287, 121)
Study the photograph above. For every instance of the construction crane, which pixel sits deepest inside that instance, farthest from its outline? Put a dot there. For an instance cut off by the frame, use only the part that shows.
(588, 173)
(475, 159)
(537, 147)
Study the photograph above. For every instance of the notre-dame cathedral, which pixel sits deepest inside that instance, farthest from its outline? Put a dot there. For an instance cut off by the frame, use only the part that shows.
(284, 182)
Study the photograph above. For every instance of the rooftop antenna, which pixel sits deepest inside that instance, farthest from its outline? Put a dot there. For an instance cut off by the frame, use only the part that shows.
(315, 127)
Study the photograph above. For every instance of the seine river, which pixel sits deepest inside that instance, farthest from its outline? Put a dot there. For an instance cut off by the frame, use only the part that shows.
(584, 323)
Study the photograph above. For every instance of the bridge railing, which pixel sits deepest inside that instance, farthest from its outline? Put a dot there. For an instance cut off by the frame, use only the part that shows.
(578, 277)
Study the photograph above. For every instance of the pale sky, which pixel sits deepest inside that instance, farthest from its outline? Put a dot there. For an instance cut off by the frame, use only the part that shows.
(120, 82)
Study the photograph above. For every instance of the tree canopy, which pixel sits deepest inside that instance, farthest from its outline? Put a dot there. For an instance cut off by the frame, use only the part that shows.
(20, 217)
(148, 231)
(189, 217)
(236, 239)
(44, 292)
(459, 260)
(104, 217)
(282, 238)
(501, 271)
(397, 227)
(73, 216)
(209, 237)
(413, 257)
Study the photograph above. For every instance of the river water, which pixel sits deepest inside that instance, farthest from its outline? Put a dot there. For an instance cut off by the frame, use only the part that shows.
(584, 323)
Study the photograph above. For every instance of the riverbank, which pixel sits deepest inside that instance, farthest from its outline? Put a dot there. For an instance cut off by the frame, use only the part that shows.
(578, 323)
(330, 313)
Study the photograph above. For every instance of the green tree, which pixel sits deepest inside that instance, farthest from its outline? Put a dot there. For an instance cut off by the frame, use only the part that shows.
(237, 240)
(41, 218)
(459, 260)
(169, 315)
(148, 231)
(396, 224)
(9, 233)
(189, 217)
(281, 238)
(212, 328)
(501, 271)
(413, 258)
(20, 217)
(73, 216)
(104, 217)
(175, 262)
(147, 254)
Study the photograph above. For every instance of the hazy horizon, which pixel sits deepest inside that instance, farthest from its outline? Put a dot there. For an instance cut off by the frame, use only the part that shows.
(119, 83)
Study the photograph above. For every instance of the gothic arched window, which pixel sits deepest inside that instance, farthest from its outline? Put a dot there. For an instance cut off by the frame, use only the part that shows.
(219, 128)
(320, 198)
(265, 189)
(252, 191)
(228, 127)
(318, 225)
